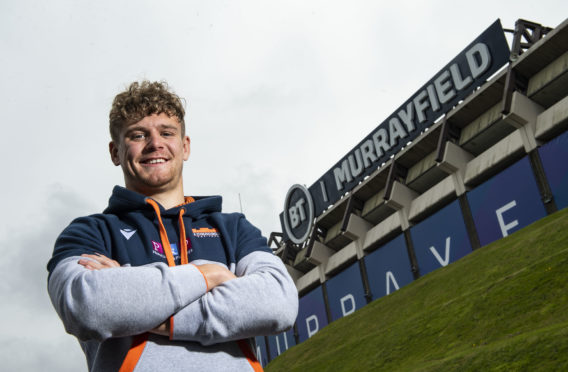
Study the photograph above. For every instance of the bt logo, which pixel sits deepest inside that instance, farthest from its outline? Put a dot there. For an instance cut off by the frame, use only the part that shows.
(298, 214)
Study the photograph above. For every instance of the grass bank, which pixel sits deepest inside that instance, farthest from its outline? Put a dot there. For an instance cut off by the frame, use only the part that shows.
(503, 307)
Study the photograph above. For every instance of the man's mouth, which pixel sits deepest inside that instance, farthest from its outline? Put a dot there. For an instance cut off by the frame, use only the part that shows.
(154, 161)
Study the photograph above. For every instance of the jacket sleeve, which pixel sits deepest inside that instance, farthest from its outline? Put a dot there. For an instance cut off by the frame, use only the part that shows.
(262, 299)
(122, 301)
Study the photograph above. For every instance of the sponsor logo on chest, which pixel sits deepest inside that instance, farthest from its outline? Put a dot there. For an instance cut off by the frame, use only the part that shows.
(159, 249)
(205, 232)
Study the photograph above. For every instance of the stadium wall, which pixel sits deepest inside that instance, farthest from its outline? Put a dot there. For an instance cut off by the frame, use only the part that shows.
(493, 164)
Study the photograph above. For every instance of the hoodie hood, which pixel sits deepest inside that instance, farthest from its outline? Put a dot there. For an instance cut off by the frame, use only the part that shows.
(123, 201)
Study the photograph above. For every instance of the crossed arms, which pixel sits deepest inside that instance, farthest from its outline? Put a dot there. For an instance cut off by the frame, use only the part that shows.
(97, 299)
(214, 276)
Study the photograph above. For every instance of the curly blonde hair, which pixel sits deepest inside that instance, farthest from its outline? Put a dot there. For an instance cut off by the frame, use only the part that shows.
(141, 100)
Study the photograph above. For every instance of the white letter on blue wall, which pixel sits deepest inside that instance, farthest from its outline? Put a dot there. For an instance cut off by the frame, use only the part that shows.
(390, 278)
(506, 227)
(314, 320)
(446, 260)
(344, 299)
(278, 343)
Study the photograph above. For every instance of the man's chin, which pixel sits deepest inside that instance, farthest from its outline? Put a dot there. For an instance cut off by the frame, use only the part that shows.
(149, 187)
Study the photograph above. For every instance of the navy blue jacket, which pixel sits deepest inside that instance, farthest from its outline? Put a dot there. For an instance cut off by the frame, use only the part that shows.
(112, 310)
(128, 232)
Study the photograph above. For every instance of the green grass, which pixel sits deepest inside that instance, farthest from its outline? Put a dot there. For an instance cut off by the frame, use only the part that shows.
(504, 307)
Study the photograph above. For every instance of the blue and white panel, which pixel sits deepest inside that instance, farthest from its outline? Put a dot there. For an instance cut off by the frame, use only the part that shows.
(311, 314)
(280, 343)
(388, 268)
(506, 202)
(345, 292)
(261, 353)
(554, 156)
(440, 239)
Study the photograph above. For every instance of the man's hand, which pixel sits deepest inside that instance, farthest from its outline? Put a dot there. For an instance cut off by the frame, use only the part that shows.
(215, 274)
(97, 261)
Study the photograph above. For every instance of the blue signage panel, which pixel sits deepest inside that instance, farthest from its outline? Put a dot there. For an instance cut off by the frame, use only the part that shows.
(440, 239)
(388, 268)
(554, 156)
(261, 353)
(345, 292)
(506, 202)
(280, 343)
(311, 314)
(472, 67)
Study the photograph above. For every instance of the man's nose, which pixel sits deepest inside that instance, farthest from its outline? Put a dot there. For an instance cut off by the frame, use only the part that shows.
(154, 142)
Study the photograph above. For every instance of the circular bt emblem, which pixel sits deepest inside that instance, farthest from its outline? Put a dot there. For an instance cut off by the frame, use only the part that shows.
(298, 213)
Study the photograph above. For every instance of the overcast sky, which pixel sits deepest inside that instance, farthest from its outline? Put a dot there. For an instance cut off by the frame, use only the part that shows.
(277, 92)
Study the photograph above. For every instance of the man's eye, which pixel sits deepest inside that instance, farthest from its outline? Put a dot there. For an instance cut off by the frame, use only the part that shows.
(167, 134)
(137, 136)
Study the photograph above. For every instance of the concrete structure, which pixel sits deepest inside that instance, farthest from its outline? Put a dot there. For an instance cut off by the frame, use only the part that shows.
(438, 167)
(503, 124)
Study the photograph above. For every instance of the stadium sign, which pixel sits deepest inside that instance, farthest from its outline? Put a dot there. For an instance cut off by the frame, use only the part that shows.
(299, 212)
(472, 67)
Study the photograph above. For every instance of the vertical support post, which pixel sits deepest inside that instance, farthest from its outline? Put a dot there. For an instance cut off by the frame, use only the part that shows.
(326, 303)
(267, 350)
(542, 182)
(296, 334)
(411, 254)
(365, 278)
(469, 222)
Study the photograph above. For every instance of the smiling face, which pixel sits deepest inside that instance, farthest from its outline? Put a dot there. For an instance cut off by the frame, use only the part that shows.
(151, 153)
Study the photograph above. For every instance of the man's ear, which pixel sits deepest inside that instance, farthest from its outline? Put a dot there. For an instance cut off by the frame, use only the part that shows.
(186, 147)
(113, 149)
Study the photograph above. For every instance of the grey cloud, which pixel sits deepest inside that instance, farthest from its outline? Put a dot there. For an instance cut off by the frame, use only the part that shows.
(33, 337)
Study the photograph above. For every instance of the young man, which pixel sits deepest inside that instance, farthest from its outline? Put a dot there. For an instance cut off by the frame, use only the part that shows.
(159, 280)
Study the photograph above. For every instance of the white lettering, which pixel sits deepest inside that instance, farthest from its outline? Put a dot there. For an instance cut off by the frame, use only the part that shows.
(285, 340)
(459, 81)
(478, 59)
(433, 97)
(349, 297)
(324, 191)
(297, 213)
(300, 208)
(446, 260)
(258, 354)
(368, 153)
(444, 87)
(356, 166)
(390, 278)
(506, 227)
(380, 141)
(407, 117)
(312, 331)
(342, 175)
(278, 343)
(420, 104)
(396, 131)
(294, 218)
